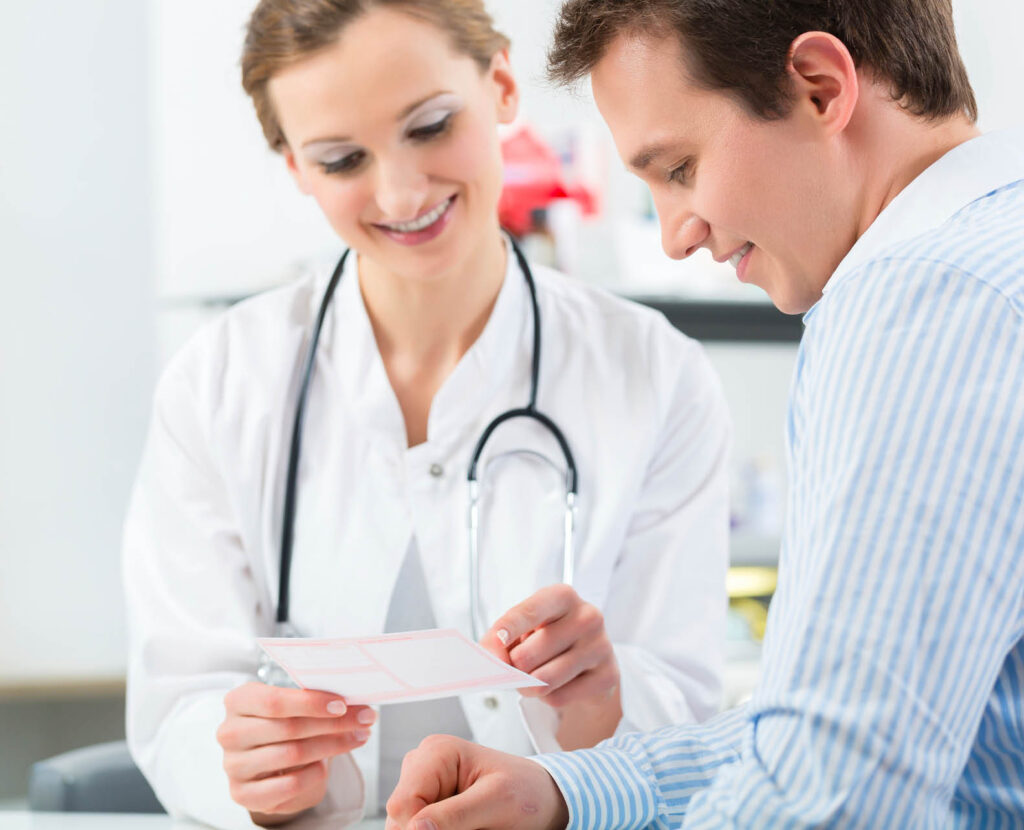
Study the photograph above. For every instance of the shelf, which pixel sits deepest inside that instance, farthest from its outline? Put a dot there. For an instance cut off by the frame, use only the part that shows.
(711, 320)
(52, 687)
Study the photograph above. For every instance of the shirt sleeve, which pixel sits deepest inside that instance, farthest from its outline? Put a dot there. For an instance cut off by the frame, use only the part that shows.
(194, 610)
(666, 615)
(899, 589)
(644, 779)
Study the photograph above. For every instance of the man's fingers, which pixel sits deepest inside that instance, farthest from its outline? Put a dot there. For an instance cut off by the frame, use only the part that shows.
(429, 773)
(270, 760)
(246, 732)
(480, 806)
(264, 701)
(545, 606)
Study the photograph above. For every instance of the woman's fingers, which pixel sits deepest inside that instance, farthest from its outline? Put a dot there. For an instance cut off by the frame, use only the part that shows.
(268, 760)
(247, 732)
(288, 792)
(260, 700)
(581, 627)
(596, 684)
(545, 606)
(565, 668)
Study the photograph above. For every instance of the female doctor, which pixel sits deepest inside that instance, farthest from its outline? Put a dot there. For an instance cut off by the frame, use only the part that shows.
(386, 113)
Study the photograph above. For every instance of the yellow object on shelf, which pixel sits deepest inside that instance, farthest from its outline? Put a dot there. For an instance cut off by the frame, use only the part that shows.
(751, 582)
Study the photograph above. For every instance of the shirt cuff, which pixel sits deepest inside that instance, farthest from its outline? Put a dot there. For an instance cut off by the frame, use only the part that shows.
(604, 789)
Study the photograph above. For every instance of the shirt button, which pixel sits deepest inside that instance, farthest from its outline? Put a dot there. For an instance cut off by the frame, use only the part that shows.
(436, 470)
(491, 702)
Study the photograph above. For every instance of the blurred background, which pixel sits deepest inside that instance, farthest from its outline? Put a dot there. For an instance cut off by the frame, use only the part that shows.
(137, 199)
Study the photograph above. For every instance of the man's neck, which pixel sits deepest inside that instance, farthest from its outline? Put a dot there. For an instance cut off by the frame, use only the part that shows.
(899, 147)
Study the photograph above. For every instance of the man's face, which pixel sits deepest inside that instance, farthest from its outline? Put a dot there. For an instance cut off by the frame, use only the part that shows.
(769, 195)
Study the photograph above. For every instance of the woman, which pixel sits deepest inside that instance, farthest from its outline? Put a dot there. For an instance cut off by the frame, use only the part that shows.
(387, 114)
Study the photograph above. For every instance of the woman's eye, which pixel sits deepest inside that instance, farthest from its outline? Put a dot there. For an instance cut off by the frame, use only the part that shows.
(681, 174)
(430, 131)
(346, 164)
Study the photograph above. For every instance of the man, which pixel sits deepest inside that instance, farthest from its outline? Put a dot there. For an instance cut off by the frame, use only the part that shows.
(827, 149)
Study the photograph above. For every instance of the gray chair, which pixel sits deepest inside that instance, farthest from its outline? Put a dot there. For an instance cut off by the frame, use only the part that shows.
(101, 778)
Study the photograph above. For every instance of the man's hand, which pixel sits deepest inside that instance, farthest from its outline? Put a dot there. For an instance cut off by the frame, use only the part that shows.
(452, 784)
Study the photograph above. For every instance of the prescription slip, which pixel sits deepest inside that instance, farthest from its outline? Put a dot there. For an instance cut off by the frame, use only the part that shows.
(394, 668)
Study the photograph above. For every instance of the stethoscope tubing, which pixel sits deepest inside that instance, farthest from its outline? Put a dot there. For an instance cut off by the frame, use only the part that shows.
(529, 411)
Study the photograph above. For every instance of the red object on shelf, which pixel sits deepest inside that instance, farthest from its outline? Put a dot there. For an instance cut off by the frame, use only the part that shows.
(533, 180)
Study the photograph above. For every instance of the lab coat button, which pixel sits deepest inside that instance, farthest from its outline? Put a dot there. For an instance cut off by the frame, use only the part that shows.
(436, 470)
(491, 702)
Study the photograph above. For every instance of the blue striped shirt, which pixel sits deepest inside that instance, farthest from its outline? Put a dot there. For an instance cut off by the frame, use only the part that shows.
(892, 692)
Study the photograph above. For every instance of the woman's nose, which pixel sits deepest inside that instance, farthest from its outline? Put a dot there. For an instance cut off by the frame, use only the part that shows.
(402, 191)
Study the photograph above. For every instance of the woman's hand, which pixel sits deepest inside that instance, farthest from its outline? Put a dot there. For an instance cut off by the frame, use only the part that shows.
(557, 637)
(278, 742)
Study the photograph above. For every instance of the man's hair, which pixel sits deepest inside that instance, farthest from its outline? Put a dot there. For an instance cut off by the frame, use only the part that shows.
(742, 46)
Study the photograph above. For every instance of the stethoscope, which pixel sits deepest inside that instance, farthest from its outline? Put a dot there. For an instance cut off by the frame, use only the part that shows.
(529, 411)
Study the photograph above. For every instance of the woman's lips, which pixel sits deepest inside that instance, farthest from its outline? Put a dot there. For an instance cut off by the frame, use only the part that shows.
(431, 231)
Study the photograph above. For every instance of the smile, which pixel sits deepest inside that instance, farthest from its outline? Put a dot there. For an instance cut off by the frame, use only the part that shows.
(421, 223)
(734, 260)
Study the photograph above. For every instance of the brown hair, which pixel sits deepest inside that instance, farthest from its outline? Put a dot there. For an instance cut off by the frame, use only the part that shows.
(283, 32)
(742, 46)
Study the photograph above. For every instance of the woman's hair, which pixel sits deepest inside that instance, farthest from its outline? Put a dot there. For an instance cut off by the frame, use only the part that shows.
(742, 46)
(283, 32)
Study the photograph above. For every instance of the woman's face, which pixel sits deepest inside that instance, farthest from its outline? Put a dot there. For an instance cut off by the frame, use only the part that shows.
(394, 134)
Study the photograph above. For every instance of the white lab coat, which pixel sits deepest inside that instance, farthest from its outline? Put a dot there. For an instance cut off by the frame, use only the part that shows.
(646, 420)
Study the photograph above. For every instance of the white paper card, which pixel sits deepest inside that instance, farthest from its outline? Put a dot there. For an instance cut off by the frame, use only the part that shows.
(394, 668)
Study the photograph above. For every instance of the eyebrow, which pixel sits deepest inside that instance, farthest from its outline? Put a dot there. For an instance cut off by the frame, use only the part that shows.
(405, 113)
(642, 159)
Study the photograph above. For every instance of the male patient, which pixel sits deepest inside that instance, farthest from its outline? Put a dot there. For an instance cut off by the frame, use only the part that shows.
(827, 149)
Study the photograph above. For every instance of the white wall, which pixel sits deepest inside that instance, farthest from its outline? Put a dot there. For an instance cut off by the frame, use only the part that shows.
(76, 325)
(98, 213)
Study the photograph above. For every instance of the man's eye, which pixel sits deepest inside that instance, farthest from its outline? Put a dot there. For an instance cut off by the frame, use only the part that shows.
(430, 131)
(346, 164)
(682, 173)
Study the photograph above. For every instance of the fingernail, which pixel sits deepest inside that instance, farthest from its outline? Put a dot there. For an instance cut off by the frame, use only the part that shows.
(424, 824)
(337, 707)
(367, 716)
(502, 635)
(362, 734)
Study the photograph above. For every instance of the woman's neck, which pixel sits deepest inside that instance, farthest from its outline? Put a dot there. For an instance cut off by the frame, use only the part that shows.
(424, 327)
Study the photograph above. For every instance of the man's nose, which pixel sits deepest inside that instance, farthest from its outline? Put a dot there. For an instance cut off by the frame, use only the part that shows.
(683, 236)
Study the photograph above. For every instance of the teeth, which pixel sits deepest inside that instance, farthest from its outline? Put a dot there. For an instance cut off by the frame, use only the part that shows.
(734, 260)
(424, 221)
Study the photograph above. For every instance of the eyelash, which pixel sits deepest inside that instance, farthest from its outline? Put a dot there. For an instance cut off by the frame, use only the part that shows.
(421, 135)
(438, 128)
(682, 173)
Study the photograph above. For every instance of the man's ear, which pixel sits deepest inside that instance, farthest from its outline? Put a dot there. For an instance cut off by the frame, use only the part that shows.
(297, 174)
(824, 79)
(505, 87)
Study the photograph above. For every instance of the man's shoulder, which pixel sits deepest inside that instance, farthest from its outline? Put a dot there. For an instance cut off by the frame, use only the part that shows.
(978, 253)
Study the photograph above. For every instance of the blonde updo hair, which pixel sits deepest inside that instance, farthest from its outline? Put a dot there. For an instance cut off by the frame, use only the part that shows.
(283, 32)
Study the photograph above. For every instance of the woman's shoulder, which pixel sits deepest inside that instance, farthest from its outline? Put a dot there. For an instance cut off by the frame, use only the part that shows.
(253, 344)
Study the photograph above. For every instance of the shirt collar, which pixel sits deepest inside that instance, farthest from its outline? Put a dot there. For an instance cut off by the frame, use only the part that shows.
(964, 174)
